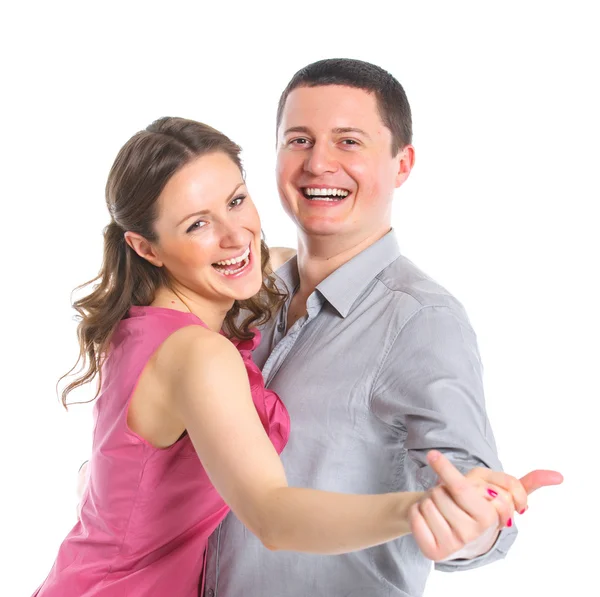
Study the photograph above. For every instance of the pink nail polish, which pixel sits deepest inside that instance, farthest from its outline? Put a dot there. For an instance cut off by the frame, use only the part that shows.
(493, 493)
(523, 511)
(509, 523)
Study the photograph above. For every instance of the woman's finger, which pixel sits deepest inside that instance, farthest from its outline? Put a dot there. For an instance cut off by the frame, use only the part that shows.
(509, 484)
(502, 501)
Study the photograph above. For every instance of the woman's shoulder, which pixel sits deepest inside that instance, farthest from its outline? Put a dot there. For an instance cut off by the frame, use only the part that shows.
(197, 349)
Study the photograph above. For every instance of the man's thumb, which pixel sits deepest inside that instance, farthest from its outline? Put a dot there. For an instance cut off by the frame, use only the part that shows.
(540, 478)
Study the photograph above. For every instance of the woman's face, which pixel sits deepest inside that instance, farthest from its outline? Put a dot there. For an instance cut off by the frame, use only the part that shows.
(209, 235)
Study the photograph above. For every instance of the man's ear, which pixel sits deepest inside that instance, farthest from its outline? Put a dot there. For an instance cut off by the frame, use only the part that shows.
(406, 161)
(143, 248)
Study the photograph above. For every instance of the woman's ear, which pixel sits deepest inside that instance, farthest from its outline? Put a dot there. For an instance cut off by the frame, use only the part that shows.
(143, 248)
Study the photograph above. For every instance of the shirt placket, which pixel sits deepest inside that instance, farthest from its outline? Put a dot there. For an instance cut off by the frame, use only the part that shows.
(282, 342)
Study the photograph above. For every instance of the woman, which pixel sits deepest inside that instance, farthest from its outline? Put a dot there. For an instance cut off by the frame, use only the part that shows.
(181, 436)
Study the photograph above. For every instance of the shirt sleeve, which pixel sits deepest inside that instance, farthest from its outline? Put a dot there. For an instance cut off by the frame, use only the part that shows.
(429, 390)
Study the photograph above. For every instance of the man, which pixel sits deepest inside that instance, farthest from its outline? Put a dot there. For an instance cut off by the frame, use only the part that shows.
(376, 363)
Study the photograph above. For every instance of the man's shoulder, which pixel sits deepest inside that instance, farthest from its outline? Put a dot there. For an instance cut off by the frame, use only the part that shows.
(407, 282)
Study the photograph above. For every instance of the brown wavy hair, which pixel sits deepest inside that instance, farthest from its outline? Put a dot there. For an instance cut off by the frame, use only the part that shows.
(138, 175)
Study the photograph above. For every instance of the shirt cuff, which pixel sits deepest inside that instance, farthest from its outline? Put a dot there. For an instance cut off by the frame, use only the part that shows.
(498, 551)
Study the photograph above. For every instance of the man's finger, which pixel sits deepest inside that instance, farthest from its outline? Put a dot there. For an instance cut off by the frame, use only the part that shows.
(446, 471)
(540, 478)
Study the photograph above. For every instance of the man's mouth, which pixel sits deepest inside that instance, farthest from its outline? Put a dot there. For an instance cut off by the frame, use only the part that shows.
(325, 194)
(234, 265)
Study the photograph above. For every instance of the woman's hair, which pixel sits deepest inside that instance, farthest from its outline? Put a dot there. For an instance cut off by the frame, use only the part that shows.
(139, 174)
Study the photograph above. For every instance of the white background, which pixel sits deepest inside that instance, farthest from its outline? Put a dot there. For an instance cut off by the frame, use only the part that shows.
(499, 208)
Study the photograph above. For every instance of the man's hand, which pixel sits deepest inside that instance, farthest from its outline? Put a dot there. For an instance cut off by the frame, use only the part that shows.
(512, 491)
(465, 508)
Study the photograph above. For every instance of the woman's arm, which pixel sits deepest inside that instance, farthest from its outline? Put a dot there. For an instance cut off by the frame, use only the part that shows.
(211, 395)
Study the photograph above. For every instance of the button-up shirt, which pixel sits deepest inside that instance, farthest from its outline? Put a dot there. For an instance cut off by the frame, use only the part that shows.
(383, 367)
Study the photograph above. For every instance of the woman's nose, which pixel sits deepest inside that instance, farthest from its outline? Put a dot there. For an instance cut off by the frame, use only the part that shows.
(233, 235)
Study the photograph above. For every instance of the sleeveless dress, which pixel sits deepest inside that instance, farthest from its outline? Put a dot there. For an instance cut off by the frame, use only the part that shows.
(147, 512)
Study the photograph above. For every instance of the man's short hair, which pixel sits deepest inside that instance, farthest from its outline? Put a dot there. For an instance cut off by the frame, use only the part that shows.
(392, 102)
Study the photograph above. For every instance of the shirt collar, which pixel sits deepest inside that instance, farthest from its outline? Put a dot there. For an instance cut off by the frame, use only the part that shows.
(347, 283)
(288, 274)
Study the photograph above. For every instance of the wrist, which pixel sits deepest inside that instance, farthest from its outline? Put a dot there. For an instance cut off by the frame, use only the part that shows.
(404, 501)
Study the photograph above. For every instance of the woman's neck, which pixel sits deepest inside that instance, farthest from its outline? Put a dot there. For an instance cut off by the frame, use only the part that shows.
(182, 299)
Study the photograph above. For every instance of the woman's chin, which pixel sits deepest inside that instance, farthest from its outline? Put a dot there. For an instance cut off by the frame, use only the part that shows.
(242, 292)
(249, 292)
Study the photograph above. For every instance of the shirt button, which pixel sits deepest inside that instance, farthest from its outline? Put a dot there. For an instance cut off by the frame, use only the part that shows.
(210, 593)
(281, 327)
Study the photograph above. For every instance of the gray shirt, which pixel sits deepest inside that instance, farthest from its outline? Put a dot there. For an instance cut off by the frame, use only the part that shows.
(383, 368)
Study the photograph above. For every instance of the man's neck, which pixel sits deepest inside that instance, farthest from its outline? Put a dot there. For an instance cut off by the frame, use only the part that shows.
(319, 257)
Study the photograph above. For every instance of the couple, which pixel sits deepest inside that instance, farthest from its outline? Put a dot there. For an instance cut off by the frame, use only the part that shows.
(376, 365)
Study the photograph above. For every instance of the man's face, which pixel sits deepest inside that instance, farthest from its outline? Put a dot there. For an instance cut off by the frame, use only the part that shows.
(335, 171)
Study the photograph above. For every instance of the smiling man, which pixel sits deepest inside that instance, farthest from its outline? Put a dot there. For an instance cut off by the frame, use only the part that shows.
(376, 363)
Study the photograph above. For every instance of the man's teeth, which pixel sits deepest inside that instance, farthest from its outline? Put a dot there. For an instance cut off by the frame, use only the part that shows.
(328, 193)
(236, 259)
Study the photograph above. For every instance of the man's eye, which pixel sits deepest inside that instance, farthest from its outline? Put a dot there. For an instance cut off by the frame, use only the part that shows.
(237, 201)
(196, 226)
(299, 141)
(349, 142)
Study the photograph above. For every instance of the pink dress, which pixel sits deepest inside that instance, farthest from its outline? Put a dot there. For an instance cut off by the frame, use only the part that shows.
(146, 513)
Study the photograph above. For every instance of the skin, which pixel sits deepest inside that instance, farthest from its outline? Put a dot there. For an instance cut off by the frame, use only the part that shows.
(333, 137)
(279, 255)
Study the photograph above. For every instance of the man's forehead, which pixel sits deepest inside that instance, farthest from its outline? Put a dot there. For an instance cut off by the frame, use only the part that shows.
(332, 107)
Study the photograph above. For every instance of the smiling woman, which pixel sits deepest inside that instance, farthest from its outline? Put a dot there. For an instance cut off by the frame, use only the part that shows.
(172, 190)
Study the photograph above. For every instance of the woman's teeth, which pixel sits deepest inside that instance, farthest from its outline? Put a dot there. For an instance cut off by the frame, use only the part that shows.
(229, 267)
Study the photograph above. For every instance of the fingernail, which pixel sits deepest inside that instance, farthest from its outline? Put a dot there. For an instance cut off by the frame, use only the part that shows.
(493, 493)
(523, 510)
(509, 523)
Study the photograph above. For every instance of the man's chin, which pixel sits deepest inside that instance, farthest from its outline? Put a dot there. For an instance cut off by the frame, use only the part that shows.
(322, 229)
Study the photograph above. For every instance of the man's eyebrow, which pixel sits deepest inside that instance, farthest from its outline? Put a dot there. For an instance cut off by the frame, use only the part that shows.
(336, 131)
(297, 129)
(205, 212)
(350, 129)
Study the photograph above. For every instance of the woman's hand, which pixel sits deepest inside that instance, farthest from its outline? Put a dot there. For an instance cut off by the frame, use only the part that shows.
(470, 508)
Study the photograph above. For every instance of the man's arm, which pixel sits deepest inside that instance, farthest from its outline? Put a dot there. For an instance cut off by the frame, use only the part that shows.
(430, 386)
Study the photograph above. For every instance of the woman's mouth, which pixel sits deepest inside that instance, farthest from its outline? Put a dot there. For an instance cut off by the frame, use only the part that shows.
(235, 265)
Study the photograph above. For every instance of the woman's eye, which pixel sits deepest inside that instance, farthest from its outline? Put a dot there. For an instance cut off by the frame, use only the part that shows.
(196, 226)
(237, 201)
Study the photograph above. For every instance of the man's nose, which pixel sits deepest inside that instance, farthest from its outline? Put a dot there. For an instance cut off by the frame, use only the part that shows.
(320, 159)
